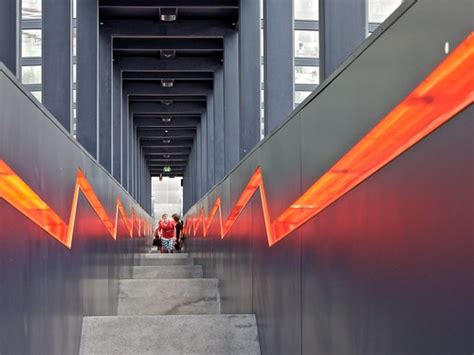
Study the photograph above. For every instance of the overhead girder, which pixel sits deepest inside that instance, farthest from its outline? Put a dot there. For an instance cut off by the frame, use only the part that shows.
(176, 122)
(154, 4)
(160, 165)
(184, 108)
(149, 88)
(176, 169)
(173, 143)
(176, 44)
(166, 151)
(167, 99)
(181, 28)
(194, 76)
(184, 64)
(168, 161)
(155, 173)
(171, 132)
(149, 134)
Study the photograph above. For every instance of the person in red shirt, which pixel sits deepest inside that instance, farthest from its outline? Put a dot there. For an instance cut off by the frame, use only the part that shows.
(167, 232)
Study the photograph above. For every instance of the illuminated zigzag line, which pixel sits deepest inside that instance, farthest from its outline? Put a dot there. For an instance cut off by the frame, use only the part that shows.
(18, 194)
(447, 90)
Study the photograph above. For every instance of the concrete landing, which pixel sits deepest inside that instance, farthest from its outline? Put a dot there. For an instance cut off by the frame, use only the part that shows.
(167, 272)
(171, 335)
(174, 296)
(163, 259)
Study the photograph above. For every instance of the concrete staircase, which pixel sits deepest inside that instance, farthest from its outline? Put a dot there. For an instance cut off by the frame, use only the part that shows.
(169, 308)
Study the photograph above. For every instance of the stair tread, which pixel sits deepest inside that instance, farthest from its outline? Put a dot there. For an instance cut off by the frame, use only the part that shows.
(163, 259)
(171, 334)
(173, 296)
(163, 256)
(167, 272)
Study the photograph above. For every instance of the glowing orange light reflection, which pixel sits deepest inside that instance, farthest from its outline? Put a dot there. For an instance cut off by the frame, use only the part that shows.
(447, 90)
(18, 194)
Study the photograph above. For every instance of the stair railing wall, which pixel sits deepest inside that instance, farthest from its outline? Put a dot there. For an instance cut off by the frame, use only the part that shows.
(68, 230)
(380, 265)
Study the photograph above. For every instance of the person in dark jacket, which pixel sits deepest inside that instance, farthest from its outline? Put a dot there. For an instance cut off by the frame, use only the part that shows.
(179, 225)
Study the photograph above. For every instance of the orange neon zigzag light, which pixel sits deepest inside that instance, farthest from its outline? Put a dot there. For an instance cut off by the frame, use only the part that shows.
(447, 90)
(17, 193)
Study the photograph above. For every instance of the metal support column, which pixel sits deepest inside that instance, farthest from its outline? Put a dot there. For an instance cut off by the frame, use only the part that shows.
(140, 180)
(231, 101)
(203, 153)
(198, 148)
(249, 81)
(125, 139)
(342, 28)
(105, 104)
(87, 75)
(9, 37)
(117, 124)
(131, 150)
(57, 59)
(278, 62)
(135, 159)
(219, 148)
(195, 174)
(210, 142)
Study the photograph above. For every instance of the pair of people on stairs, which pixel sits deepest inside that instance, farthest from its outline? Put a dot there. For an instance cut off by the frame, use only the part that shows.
(169, 234)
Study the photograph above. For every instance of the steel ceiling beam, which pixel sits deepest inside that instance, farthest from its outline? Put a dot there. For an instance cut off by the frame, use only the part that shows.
(161, 134)
(191, 108)
(167, 99)
(159, 165)
(208, 76)
(178, 152)
(166, 132)
(151, 159)
(149, 88)
(152, 64)
(177, 175)
(180, 122)
(155, 4)
(180, 28)
(174, 143)
(157, 44)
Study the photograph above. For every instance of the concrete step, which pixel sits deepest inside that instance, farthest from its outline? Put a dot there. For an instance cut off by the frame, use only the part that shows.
(174, 296)
(167, 272)
(171, 335)
(163, 259)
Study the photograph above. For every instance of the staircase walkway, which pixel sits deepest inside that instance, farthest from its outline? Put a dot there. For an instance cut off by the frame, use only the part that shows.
(167, 307)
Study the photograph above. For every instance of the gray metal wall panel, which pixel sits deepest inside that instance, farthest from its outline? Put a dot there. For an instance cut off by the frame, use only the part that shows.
(382, 260)
(387, 268)
(276, 270)
(47, 288)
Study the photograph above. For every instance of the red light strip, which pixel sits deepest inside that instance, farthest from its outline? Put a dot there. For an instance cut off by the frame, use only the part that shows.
(18, 194)
(447, 90)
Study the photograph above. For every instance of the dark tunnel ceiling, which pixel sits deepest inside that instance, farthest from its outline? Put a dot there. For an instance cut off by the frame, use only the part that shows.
(153, 53)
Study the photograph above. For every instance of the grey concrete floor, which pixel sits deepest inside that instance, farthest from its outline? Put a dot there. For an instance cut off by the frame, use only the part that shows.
(168, 308)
